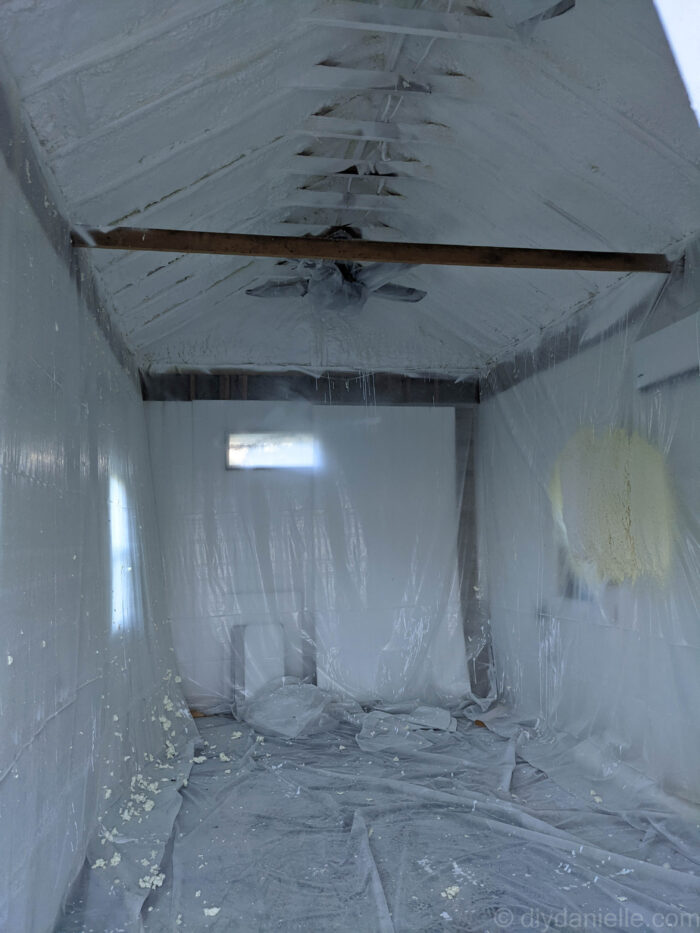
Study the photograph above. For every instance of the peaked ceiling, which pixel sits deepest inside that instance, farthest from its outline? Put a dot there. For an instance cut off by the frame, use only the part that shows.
(435, 121)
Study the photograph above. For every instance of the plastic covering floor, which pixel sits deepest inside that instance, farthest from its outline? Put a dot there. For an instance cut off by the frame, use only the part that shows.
(412, 822)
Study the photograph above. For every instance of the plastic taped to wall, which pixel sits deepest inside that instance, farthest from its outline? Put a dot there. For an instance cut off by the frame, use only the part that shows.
(338, 550)
(588, 474)
(90, 701)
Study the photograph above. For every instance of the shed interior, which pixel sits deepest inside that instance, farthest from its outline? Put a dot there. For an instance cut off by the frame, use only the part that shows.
(348, 594)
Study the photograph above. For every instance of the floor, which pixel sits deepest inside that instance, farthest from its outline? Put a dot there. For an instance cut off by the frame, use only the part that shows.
(406, 825)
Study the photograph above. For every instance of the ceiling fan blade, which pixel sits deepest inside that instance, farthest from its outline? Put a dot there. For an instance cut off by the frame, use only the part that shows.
(527, 27)
(399, 292)
(558, 9)
(376, 274)
(279, 288)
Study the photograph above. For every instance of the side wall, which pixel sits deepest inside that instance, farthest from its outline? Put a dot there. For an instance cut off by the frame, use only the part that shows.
(617, 668)
(84, 651)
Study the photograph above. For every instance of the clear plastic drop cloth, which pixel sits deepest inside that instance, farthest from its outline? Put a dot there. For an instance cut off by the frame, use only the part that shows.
(335, 830)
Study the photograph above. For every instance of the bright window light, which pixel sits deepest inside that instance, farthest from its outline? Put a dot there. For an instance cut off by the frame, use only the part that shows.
(121, 550)
(681, 22)
(272, 452)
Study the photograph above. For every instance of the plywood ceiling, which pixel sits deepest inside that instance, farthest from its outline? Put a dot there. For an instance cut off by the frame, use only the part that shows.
(247, 115)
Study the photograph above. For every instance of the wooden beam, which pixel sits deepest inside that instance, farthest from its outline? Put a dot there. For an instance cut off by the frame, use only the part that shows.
(434, 254)
(330, 388)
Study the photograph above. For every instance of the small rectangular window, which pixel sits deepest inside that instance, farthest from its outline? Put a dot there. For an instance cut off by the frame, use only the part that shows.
(271, 452)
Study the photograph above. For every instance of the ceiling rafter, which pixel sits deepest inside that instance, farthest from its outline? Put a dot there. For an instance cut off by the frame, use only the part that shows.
(359, 130)
(337, 78)
(311, 165)
(188, 313)
(384, 130)
(340, 200)
(207, 190)
(352, 14)
(188, 151)
(391, 184)
(222, 77)
(112, 48)
(176, 295)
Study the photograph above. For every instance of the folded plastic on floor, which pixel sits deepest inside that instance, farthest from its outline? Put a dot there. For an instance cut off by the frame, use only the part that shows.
(327, 817)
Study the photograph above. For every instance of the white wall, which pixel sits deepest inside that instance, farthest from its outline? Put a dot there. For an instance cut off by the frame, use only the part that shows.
(84, 664)
(235, 544)
(387, 613)
(623, 667)
(355, 563)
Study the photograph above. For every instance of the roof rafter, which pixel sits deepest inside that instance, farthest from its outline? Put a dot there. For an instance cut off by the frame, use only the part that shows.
(459, 26)
(341, 200)
(340, 128)
(334, 77)
(301, 164)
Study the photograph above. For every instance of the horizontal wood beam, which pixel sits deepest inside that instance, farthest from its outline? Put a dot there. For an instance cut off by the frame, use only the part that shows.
(434, 254)
(331, 388)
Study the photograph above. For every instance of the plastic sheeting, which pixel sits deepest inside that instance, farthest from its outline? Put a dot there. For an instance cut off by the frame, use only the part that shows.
(345, 574)
(589, 517)
(327, 608)
(336, 831)
(86, 663)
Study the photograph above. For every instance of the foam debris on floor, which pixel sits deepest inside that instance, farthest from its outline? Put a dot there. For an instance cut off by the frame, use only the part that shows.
(329, 831)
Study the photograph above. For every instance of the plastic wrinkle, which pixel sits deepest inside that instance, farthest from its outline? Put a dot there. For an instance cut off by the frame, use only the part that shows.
(391, 839)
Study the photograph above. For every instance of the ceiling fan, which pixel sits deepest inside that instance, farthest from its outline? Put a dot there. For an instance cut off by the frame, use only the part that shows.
(333, 284)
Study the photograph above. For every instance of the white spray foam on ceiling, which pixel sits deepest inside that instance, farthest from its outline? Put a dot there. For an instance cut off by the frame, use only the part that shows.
(244, 117)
